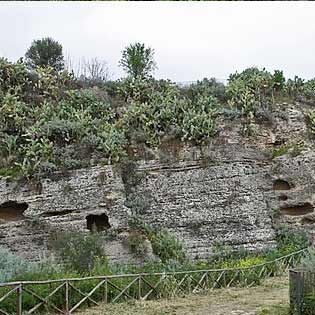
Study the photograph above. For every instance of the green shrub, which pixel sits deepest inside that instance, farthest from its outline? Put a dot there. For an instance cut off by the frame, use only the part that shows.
(310, 119)
(165, 245)
(309, 89)
(166, 112)
(301, 89)
(35, 152)
(78, 251)
(11, 265)
(14, 78)
(278, 80)
(289, 241)
(12, 114)
(50, 84)
(136, 89)
(91, 101)
(136, 243)
(205, 88)
(307, 262)
(293, 149)
(250, 90)
(295, 87)
(112, 141)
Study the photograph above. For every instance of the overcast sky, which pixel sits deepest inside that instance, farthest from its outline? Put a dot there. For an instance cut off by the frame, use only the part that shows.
(191, 40)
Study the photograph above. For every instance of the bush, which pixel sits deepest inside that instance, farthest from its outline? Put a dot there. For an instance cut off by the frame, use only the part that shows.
(136, 89)
(14, 78)
(166, 111)
(309, 90)
(78, 251)
(112, 141)
(165, 245)
(253, 89)
(295, 87)
(13, 114)
(136, 243)
(35, 152)
(45, 115)
(205, 88)
(310, 120)
(300, 89)
(290, 240)
(307, 262)
(11, 265)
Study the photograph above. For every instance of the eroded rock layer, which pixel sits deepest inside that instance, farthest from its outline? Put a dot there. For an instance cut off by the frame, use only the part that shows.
(226, 191)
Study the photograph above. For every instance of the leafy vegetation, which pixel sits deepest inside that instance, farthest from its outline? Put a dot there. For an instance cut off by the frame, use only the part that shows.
(45, 52)
(293, 149)
(164, 244)
(253, 89)
(290, 240)
(79, 252)
(53, 120)
(84, 255)
(138, 60)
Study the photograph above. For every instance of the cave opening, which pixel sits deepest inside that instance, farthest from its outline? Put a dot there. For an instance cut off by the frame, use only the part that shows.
(97, 223)
(280, 184)
(283, 197)
(12, 211)
(302, 209)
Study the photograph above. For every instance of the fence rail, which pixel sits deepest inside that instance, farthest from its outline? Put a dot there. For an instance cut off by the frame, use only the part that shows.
(65, 296)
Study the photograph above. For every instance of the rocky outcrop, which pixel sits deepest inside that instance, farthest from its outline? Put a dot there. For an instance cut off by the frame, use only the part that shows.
(224, 192)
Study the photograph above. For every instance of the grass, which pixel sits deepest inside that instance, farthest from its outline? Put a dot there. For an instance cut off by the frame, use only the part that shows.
(270, 298)
(13, 172)
(276, 310)
(293, 150)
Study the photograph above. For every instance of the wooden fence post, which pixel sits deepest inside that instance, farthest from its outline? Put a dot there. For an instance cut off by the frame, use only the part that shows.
(106, 291)
(139, 287)
(19, 299)
(67, 298)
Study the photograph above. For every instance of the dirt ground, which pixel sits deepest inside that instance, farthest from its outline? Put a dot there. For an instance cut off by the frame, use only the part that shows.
(270, 298)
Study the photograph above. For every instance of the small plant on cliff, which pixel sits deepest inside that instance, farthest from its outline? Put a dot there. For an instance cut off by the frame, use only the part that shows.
(293, 149)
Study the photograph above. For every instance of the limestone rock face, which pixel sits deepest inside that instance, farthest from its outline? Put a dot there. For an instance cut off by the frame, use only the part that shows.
(61, 203)
(224, 192)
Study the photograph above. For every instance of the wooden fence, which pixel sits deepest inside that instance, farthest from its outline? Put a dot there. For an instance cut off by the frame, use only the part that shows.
(65, 296)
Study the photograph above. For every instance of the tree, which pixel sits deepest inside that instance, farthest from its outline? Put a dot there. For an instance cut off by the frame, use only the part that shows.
(45, 52)
(137, 60)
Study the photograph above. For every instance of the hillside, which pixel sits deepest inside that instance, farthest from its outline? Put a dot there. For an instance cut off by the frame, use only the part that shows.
(212, 164)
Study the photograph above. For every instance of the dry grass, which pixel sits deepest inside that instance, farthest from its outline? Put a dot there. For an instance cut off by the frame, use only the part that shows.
(269, 298)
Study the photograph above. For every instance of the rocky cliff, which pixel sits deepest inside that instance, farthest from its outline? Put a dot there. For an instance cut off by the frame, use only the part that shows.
(226, 191)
